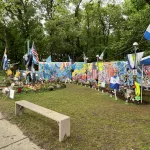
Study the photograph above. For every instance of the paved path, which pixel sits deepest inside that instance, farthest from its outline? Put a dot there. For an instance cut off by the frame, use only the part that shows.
(11, 137)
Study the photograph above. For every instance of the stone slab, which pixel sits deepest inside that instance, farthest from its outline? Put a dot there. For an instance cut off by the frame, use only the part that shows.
(63, 120)
(43, 111)
(25, 144)
(9, 133)
(1, 116)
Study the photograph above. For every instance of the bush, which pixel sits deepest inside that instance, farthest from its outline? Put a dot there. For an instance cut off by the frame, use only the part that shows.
(50, 88)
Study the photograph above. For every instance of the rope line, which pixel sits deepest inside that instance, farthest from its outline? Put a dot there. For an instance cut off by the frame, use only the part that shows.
(125, 50)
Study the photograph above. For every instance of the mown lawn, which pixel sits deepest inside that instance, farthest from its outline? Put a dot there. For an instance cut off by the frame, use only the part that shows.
(97, 121)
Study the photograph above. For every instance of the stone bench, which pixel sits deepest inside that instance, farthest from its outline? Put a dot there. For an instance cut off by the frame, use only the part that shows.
(63, 120)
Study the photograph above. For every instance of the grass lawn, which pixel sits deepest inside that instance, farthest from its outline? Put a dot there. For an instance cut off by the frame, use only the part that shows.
(1, 75)
(97, 121)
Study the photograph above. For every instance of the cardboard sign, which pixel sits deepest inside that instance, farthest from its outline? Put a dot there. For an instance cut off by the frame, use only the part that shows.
(134, 71)
(12, 93)
(103, 84)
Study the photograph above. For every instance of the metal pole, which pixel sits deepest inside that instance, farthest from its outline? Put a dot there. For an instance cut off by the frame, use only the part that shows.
(135, 56)
(28, 45)
(142, 84)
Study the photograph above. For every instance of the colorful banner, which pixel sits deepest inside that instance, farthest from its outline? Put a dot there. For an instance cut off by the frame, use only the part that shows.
(120, 68)
(54, 70)
(103, 71)
(80, 71)
(146, 75)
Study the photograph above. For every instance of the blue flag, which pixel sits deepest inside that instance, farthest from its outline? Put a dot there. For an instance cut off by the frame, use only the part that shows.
(49, 59)
(147, 33)
(70, 60)
(5, 60)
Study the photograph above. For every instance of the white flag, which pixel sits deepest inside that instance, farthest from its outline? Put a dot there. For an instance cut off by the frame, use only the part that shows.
(139, 57)
(84, 58)
(131, 59)
(102, 55)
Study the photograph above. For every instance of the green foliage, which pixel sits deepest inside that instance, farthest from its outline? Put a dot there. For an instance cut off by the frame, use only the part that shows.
(73, 27)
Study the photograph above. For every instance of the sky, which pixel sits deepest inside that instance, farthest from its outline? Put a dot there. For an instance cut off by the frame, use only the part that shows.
(106, 1)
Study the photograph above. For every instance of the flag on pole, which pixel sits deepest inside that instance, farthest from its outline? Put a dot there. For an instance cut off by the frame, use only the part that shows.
(5, 60)
(102, 55)
(139, 57)
(145, 60)
(70, 60)
(85, 58)
(49, 59)
(147, 33)
(34, 54)
(131, 59)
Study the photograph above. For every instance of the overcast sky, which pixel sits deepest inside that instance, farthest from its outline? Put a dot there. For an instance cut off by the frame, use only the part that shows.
(106, 1)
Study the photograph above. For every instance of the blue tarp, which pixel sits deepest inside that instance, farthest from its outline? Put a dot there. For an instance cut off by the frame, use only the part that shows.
(145, 60)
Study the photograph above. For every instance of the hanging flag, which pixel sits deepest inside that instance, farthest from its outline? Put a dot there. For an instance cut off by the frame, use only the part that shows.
(114, 82)
(131, 59)
(5, 60)
(137, 88)
(147, 33)
(145, 60)
(94, 71)
(102, 55)
(34, 54)
(70, 60)
(94, 74)
(85, 58)
(139, 57)
(100, 66)
(49, 59)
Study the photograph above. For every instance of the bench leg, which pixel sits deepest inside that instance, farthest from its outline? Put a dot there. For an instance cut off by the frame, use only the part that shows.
(64, 129)
(18, 109)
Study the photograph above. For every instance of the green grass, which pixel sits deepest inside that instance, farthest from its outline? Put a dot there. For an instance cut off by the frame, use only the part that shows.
(97, 121)
(1, 75)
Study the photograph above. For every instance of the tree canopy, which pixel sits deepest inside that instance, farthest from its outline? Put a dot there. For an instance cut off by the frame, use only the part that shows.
(71, 27)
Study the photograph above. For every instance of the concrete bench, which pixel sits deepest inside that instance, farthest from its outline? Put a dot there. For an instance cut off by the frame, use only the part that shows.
(63, 120)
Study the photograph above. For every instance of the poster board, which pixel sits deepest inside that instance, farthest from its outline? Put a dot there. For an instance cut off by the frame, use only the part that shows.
(12, 94)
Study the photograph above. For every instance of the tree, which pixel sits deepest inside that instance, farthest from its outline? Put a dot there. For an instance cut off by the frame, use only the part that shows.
(72, 27)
